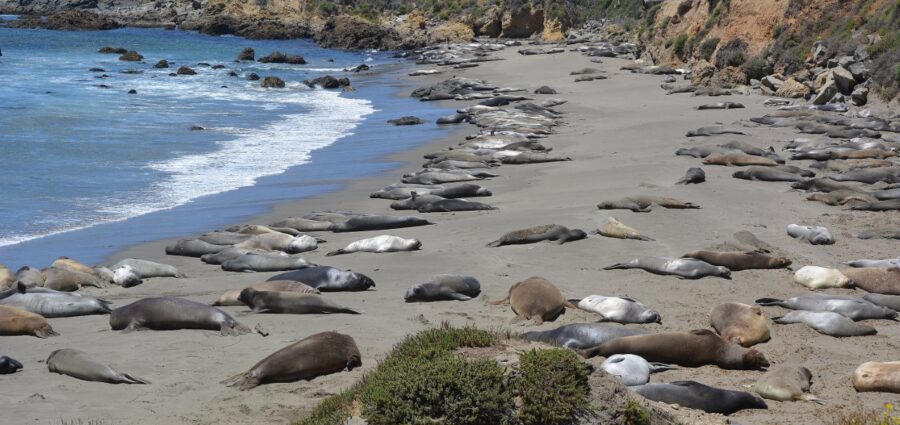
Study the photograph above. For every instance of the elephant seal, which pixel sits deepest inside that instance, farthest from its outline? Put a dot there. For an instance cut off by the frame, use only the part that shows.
(738, 159)
(841, 197)
(50, 303)
(290, 303)
(890, 301)
(786, 383)
(737, 261)
(890, 263)
(632, 370)
(695, 395)
(193, 248)
(415, 201)
(696, 348)
(852, 307)
(232, 253)
(253, 262)
(713, 130)
(224, 238)
(451, 205)
(68, 280)
(814, 277)
(67, 263)
(870, 175)
(619, 309)
(816, 235)
(720, 105)
(126, 276)
(316, 355)
(304, 225)
(876, 280)
(827, 323)
(444, 287)
(547, 232)
(684, 268)
(79, 365)
(377, 244)
(14, 321)
(231, 297)
(616, 229)
(582, 335)
(280, 242)
(879, 233)
(878, 377)
(462, 191)
(693, 175)
(645, 203)
(30, 277)
(328, 279)
(821, 185)
(378, 222)
(6, 277)
(887, 205)
(741, 324)
(9, 365)
(536, 299)
(149, 269)
(170, 313)
(766, 174)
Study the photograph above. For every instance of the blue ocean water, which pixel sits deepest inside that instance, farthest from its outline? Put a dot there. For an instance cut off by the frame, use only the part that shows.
(88, 169)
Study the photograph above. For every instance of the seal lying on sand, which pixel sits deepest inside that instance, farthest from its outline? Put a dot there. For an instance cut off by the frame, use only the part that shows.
(713, 130)
(78, 364)
(290, 303)
(877, 376)
(889, 263)
(169, 313)
(685, 268)
(582, 335)
(231, 297)
(444, 287)
(632, 370)
(854, 308)
(254, 262)
(695, 395)
(645, 203)
(616, 229)
(148, 269)
(883, 281)
(766, 174)
(50, 303)
(316, 355)
(383, 243)
(693, 175)
(737, 261)
(619, 309)
(14, 321)
(738, 159)
(547, 232)
(280, 242)
(29, 276)
(786, 383)
(378, 222)
(827, 323)
(193, 248)
(536, 299)
(9, 365)
(69, 280)
(890, 301)
(741, 324)
(816, 235)
(814, 277)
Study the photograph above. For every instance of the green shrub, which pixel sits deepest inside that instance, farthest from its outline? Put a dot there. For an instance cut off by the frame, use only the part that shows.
(756, 68)
(684, 7)
(678, 44)
(553, 387)
(635, 413)
(708, 47)
(778, 30)
(333, 410)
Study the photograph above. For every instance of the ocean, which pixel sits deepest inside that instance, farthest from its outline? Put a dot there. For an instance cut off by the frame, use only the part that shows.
(89, 169)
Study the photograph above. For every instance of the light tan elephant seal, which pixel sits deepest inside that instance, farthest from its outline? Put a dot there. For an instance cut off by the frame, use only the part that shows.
(231, 297)
(877, 377)
(536, 299)
(786, 383)
(14, 321)
(741, 324)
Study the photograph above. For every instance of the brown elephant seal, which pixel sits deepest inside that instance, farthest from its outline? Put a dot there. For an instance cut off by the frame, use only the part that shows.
(316, 355)
(30, 277)
(231, 297)
(14, 321)
(170, 313)
(786, 383)
(290, 303)
(70, 264)
(694, 395)
(536, 299)
(616, 229)
(68, 280)
(738, 159)
(645, 203)
(79, 364)
(742, 324)
(547, 232)
(737, 261)
(877, 280)
(6, 277)
(696, 348)
(841, 197)
(766, 174)
(877, 377)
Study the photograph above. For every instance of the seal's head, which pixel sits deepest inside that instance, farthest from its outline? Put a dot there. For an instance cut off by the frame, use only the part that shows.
(650, 316)
(363, 282)
(753, 359)
(246, 296)
(301, 243)
(414, 293)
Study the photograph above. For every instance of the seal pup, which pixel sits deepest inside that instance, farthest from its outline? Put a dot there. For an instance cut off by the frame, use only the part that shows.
(814, 277)
(231, 297)
(786, 383)
(50, 303)
(876, 280)
(695, 395)
(254, 262)
(69, 280)
(826, 323)
(852, 307)
(9, 365)
(890, 263)
(582, 335)
(696, 348)
(316, 355)
(193, 248)
(618, 309)
(536, 299)
(737, 261)
(14, 321)
(878, 377)
(126, 276)
(632, 370)
(290, 303)
(741, 324)
(616, 229)
(170, 313)
(444, 287)
(149, 269)
(693, 175)
(547, 232)
(79, 365)
(816, 235)
(328, 279)
(378, 244)
(890, 301)
(683, 268)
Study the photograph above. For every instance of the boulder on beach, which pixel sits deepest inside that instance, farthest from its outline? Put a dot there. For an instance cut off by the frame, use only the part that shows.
(271, 82)
(247, 54)
(183, 70)
(161, 64)
(328, 82)
(131, 56)
(407, 120)
(278, 57)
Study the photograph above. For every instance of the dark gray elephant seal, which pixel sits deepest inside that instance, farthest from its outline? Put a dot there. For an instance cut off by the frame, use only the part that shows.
(316, 355)
(232, 252)
(328, 279)
(695, 395)
(713, 131)
(693, 175)
(264, 263)
(78, 364)
(50, 303)
(786, 383)
(462, 191)
(9, 365)
(766, 174)
(870, 175)
(30, 277)
(170, 313)
(378, 222)
(582, 335)
(444, 287)
(193, 248)
(737, 261)
(890, 301)
(415, 201)
(816, 235)
(646, 203)
(821, 185)
(451, 205)
(547, 232)
(290, 303)
(827, 323)
(632, 370)
(224, 238)
(854, 308)
(685, 268)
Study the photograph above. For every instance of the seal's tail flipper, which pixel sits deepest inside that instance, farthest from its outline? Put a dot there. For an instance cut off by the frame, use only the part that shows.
(642, 238)
(617, 266)
(769, 301)
(349, 310)
(242, 381)
(495, 244)
(131, 379)
(45, 332)
(338, 252)
(460, 297)
(571, 303)
(813, 398)
(659, 367)
(503, 301)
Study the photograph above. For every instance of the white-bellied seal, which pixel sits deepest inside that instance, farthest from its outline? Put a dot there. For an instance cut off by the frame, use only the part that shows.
(378, 222)
(50, 303)
(280, 242)
(547, 232)
(149, 269)
(816, 235)
(536, 299)
(815, 277)
(328, 279)
(69, 280)
(170, 313)
(232, 253)
(696, 348)
(737, 261)
(619, 309)
(290, 303)
(713, 130)
(616, 229)
(14, 321)
(582, 335)
(79, 365)
(695, 395)
(693, 175)
(741, 324)
(645, 203)
(231, 297)
(316, 355)
(444, 287)
(193, 248)
(9, 365)
(684, 268)
(881, 377)
(827, 323)
(786, 383)
(30, 277)
(890, 301)
(854, 308)
(126, 276)
(876, 280)
(378, 244)
(632, 370)
(889, 263)
(253, 262)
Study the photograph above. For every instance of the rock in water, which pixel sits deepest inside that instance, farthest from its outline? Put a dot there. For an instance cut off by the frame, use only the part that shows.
(272, 83)
(248, 54)
(407, 120)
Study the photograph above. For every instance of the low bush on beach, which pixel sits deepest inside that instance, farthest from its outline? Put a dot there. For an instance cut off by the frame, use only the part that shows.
(552, 385)
(862, 416)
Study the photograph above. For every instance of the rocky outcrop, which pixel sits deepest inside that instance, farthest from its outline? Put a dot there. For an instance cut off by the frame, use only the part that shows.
(278, 57)
(328, 82)
(112, 50)
(247, 54)
(162, 64)
(351, 32)
(271, 82)
(68, 20)
(257, 29)
(131, 56)
(183, 70)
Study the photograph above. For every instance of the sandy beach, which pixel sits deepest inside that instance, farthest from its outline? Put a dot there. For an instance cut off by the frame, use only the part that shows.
(621, 133)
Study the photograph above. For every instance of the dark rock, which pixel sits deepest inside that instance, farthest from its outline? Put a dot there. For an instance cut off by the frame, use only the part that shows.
(202, 64)
(67, 20)
(820, 52)
(97, 70)
(825, 93)
(113, 50)
(172, 74)
(265, 29)
(357, 68)
(859, 71)
(844, 80)
(102, 86)
(271, 82)
(860, 95)
(132, 71)
(352, 32)
(253, 77)
(197, 128)
(545, 90)
(407, 120)
(248, 54)
(131, 56)
(232, 74)
(278, 57)
(218, 66)
(183, 70)
(132, 91)
(162, 64)
(328, 82)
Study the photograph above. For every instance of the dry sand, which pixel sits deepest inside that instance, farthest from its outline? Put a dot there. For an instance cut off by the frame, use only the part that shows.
(622, 134)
